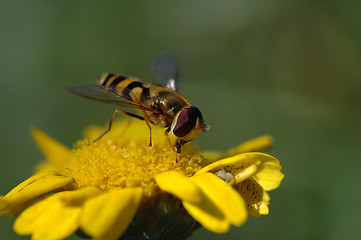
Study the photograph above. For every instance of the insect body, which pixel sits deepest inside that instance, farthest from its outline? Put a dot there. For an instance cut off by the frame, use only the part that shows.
(162, 106)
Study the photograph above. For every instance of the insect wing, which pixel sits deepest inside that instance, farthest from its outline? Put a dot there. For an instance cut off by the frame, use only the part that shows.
(99, 93)
(166, 70)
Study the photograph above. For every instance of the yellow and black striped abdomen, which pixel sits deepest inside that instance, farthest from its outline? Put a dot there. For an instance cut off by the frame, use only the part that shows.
(129, 88)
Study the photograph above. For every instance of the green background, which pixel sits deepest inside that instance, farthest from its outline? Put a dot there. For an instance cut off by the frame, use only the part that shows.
(291, 69)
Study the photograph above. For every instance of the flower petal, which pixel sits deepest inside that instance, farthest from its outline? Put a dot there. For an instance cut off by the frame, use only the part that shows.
(220, 207)
(246, 173)
(108, 215)
(49, 218)
(256, 198)
(234, 165)
(179, 185)
(3, 205)
(254, 145)
(52, 149)
(77, 198)
(269, 174)
(32, 187)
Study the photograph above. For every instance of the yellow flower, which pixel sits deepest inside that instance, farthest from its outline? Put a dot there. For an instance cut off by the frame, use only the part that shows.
(121, 187)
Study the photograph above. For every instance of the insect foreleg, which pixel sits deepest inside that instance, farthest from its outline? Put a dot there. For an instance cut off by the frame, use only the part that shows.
(170, 143)
(166, 133)
(111, 121)
(179, 144)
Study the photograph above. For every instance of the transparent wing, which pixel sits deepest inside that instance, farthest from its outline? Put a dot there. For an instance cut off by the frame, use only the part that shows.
(97, 92)
(166, 69)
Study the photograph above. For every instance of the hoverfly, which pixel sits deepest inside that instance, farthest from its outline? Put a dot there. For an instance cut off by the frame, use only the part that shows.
(159, 105)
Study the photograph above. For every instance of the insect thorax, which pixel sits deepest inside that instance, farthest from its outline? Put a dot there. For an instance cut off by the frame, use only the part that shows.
(167, 104)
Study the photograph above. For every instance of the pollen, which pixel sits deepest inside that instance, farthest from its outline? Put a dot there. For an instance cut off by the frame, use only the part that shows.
(115, 162)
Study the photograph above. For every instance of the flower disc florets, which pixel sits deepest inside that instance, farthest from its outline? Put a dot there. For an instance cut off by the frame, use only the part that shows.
(107, 165)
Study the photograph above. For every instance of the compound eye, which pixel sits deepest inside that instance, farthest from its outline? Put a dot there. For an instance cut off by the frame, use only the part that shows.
(186, 120)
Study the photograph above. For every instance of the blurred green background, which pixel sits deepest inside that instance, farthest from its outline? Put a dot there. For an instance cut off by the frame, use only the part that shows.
(291, 69)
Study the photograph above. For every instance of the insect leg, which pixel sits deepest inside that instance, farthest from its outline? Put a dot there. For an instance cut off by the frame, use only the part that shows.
(170, 143)
(179, 145)
(166, 133)
(111, 121)
(147, 120)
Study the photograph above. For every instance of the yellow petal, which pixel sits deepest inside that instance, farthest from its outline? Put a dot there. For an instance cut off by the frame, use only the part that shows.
(224, 196)
(52, 149)
(254, 145)
(32, 187)
(256, 198)
(234, 165)
(179, 185)
(107, 216)
(246, 173)
(220, 207)
(269, 174)
(77, 198)
(3, 205)
(49, 218)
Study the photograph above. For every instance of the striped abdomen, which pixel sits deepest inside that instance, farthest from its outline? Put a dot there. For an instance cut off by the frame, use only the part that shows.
(161, 104)
(126, 87)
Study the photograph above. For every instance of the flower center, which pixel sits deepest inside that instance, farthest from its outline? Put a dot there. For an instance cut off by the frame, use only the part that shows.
(120, 163)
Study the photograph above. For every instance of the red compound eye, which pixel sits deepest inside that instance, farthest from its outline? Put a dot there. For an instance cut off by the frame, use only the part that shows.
(186, 121)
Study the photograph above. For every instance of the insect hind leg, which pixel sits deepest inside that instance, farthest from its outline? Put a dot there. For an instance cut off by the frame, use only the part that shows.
(111, 121)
